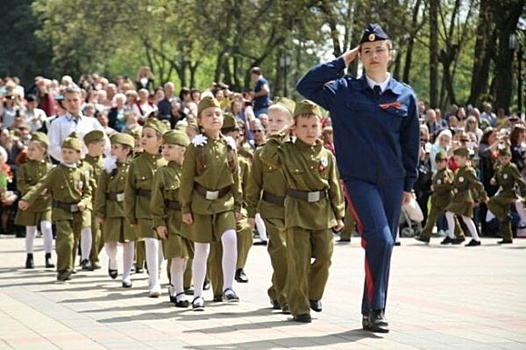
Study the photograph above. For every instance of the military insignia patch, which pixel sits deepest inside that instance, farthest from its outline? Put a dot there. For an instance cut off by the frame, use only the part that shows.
(505, 176)
(372, 37)
(461, 179)
(439, 182)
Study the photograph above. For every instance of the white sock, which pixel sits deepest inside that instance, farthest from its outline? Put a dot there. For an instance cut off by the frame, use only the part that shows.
(520, 210)
(229, 243)
(47, 235)
(111, 250)
(177, 268)
(152, 259)
(471, 228)
(128, 251)
(201, 251)
(260, 225)
(397, 237)
(85, 243)
(30, 238)
(450, 217)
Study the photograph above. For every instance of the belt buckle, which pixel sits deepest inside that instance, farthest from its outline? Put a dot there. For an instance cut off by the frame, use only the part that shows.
(120, 197)
(313, 196)
(212, 195)
(74, 208)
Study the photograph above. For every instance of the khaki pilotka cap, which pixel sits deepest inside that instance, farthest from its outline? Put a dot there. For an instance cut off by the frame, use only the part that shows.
(123, 139)
(307, 107)
(176, 137)
(41, 137)
(72, 142)
(207, 102)
(463, 152)
(156, 125)
(93, 136)
(229, 123)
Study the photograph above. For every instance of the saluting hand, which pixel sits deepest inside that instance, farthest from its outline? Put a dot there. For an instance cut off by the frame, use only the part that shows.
(350, 55)
(162, 231)
(188, 219)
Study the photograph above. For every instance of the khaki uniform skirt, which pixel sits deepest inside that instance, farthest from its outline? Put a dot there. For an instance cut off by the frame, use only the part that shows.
(118, 230)
(28, 218)
(208, 228)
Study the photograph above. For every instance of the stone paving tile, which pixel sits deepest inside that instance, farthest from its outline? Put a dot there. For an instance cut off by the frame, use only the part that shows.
(439, 298)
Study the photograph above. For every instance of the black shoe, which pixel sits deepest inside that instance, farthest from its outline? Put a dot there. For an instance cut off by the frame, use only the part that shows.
(86, 265)
(263, 243)
(49, 261)
(241, 276)
(375, 322)
(95, 266)
(275, 305)
(505, 241)
(458, 240)
(285, 310)
(473, 243)
(422, 239)
(218, 299)
(189, 291)
(230, 296)
(171, 294)
(315, 305)
(447, 240)
(206, 285)
(198, 304)
(63, 276)
(397, 244)
(181, 303)
(113, 273)
(303, 318)
(30, 263)
(344, 240)
(126, 284)
(139, 269)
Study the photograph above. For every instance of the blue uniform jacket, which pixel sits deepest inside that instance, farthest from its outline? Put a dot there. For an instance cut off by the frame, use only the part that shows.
(376, 138)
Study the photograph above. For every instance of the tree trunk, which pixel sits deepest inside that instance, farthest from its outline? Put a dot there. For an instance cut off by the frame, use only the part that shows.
(433, 53)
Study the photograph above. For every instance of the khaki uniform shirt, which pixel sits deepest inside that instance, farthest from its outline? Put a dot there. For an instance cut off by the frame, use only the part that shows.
(467, 187)
(166, 183)
(442, 183)
(213, 164)
(307, 168)
(112, 183)
(65, 184)
(268, 178)
(140, 177)
(29, 174)
(508, 177)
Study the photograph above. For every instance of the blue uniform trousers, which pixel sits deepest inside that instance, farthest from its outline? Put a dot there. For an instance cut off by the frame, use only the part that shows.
(376, 208)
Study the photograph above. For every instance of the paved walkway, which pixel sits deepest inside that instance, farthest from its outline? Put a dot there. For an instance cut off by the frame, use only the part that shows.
(440, 298)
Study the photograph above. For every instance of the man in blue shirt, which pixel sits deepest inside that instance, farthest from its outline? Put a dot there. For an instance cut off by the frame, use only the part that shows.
(261, 93)
(376, 136)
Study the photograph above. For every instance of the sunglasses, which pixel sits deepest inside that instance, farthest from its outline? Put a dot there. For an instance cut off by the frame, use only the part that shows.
(255, 131)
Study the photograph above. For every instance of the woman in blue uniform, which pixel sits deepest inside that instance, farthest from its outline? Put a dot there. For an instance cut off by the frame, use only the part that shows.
(375, 122)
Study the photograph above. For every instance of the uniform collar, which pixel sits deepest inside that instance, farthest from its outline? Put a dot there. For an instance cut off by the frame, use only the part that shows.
(391, 84)
(383, 85)
(174, 165)
(70, 117)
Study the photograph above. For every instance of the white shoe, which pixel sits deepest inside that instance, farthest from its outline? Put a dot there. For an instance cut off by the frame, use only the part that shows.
(155, 292)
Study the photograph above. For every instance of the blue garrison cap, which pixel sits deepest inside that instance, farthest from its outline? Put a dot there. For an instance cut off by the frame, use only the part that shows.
(373, 32)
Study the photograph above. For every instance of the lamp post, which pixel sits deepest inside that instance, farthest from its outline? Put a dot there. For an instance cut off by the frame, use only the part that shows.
(514, 44)
(284, 63)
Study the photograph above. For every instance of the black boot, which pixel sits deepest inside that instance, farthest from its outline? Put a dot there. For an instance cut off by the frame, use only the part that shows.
(30, 264)
(49, 261)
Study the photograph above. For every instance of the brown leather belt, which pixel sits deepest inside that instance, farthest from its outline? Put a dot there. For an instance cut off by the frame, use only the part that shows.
(143, 193)
(116, 197)
(174, 205)
(212, 195)
(311, 197)
(269, 197)
(69, 207)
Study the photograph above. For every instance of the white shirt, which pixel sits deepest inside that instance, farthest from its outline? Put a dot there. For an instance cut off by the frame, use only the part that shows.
(65, 125)
(382, 85)
(35, 119)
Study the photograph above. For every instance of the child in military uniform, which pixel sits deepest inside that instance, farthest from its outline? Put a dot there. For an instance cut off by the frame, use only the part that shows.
(95, 142)
(71, 193)
(466, 187)
(137, 196)
(507, 177)
(29, 174)
(211, 199)
(266, 191)
(109, 207)
(313, 207)
(442, 185)
(243, 231)
(166, 213)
